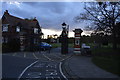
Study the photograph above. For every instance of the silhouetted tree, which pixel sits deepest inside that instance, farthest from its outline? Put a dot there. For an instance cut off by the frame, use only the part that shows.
(104, 16)
(55, 35)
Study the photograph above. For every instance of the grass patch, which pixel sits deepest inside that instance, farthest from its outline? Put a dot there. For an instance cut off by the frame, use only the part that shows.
(108, 63)
(56, 45)
(107, 59)
(71, 45)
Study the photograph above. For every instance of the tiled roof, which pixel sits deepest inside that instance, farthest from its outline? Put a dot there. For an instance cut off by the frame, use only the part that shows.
(14, 21)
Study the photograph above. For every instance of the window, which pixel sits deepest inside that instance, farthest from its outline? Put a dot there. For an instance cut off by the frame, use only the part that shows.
(4, 40)
(18, 29)
(5, 27)
(36, 30)
(35, 41)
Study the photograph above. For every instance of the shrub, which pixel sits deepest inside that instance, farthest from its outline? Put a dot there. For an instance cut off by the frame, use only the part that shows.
(12, 46)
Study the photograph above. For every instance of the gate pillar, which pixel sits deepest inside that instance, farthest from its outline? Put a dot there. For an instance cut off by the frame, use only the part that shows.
(77, 41)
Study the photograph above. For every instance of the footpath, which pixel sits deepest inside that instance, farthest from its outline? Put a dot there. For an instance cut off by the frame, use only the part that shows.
(82, 68)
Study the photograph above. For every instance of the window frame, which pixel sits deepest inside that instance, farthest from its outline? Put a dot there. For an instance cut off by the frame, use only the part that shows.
(36, 30)
(18, 29)
(5, 27)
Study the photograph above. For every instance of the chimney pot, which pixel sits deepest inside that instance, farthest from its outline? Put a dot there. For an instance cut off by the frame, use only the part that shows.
(6, 12)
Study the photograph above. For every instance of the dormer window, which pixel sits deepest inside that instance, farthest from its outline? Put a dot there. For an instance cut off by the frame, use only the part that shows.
(36, 30)
(18, 29)
(5, 27)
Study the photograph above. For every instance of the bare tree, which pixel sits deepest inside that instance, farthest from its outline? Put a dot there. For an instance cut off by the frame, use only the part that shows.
(104, 16)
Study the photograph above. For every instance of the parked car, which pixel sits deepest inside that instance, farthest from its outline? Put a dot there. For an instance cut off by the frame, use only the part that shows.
(45, 46)
(86, 50)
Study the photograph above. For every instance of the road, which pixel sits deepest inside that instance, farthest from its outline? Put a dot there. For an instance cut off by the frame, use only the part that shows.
(34, 65)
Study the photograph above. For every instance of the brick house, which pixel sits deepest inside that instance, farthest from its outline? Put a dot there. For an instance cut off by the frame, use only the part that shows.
(26, 32)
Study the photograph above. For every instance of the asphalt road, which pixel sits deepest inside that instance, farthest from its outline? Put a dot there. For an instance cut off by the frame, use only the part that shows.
(34, 65)
(13, 66)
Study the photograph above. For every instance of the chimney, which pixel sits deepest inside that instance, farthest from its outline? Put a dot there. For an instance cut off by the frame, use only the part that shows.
(6, 12)
(34, 19)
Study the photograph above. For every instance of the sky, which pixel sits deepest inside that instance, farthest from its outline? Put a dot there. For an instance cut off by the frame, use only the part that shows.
(49, 14)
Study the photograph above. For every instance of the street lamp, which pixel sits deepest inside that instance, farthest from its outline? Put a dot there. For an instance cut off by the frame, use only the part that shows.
(64, 39)
(65, 27)
(64, 24)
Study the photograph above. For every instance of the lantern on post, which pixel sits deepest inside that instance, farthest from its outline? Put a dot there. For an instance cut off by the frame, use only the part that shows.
(64, 39)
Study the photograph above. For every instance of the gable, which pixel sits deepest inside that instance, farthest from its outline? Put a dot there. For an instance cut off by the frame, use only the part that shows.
(15, 21)
(4, 20)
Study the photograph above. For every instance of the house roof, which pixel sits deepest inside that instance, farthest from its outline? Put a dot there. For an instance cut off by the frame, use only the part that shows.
(14, 21)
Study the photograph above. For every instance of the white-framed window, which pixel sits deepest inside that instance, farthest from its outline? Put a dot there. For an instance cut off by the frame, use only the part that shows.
(36, 30)
(17, 28)
(5, 27)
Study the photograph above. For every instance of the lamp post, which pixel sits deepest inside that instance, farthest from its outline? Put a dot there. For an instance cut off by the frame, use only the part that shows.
(64, 38)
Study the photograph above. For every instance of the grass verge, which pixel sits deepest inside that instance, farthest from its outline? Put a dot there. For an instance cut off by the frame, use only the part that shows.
(107, 59)
(55, 45)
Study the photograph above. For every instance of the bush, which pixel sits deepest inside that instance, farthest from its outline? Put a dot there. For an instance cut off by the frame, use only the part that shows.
(5, 48)
(12, 46)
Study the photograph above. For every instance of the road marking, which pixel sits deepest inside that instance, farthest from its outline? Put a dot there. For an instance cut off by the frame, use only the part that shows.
(50, 78)
(24, 54)
(61, 71)
(56, 56)
(26, 69)
(47, 57)
(66, 58)
(59, 78)
(14, 54)
(35, 56)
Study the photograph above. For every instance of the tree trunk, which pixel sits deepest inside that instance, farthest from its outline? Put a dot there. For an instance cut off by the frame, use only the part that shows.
(114, 41)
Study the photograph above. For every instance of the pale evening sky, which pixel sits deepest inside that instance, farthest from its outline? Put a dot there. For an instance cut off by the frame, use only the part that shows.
(49, 14)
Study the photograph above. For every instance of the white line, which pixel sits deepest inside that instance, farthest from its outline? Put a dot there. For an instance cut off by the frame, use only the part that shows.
(26, 69)
(14, 54)
(56, 56)
(61, 71)
(59, 78)
(65, 58)
(47, 78)
(47, 57)
(24, 55)
(35, 56)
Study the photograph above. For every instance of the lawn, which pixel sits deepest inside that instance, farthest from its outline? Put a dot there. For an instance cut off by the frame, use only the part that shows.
(110, 64)
(55, 45)
(107, 59)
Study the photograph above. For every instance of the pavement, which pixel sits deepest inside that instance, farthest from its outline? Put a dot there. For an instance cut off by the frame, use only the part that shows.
(81, 67)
